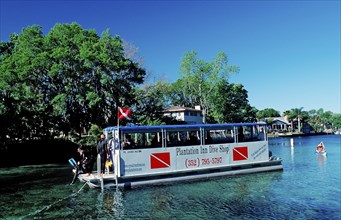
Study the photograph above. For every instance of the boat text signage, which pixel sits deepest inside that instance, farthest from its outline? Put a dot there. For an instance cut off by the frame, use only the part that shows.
(176, 159)
(201, 150)
(201, 156)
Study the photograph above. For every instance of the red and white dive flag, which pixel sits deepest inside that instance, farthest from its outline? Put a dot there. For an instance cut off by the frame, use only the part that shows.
(240, 153)
(160, 160)
(124, 113)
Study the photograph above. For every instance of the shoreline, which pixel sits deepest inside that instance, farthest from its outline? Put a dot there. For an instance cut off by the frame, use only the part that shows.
(297, 135)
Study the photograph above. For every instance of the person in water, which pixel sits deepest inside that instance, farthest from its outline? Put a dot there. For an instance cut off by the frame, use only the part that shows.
(85, 164)
(320, 148)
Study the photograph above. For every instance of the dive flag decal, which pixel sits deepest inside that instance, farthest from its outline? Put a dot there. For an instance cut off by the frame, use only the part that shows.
(240, 153)
(160, 160)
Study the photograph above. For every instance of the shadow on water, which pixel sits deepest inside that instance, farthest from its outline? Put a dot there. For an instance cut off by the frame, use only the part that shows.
(37, 152)
(24, 177)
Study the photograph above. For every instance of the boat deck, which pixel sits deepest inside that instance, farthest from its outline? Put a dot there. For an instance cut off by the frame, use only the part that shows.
(108, 180)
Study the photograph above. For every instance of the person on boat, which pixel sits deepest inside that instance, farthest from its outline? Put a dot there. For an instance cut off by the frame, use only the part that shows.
(193, 139)
(155, 142)
(85, 164)
(109, 162)
(88, 160)
(128, 142)
(113, 144)
(102, 151)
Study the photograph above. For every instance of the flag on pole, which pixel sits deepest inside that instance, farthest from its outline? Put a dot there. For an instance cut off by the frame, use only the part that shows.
(124, 113)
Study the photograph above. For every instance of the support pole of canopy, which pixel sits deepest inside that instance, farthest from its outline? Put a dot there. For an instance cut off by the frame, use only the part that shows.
(98, 165)
(99, 171)
(102, 184)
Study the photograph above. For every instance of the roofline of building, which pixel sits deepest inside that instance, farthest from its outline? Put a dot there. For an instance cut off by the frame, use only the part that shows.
(180, 108)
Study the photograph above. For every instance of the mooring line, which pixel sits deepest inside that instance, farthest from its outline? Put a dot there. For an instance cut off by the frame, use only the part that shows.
(49, 206)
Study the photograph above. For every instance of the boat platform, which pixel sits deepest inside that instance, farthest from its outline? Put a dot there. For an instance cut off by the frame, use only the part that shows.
(110, 181)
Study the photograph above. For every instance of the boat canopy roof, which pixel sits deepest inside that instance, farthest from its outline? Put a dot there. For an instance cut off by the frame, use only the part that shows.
(156, 128)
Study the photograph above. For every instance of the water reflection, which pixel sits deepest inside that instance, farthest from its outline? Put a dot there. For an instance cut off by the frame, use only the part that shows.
(321, 161)
(108, 201)
(161, 200)
(111, 203)
(292, 153)
(118, 207)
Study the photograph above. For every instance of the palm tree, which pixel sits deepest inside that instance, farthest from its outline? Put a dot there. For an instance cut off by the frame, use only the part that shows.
(296, 113)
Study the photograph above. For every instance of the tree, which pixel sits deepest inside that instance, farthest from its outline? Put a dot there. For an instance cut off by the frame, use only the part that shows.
(267, 113)
(230, 104)
(327, 119)
(314, 120)
(178, 96)
(298, 115)
(24, 107)
(200, 78)
(151, 101)
(131, 52)
(336, 121)
(64, 81)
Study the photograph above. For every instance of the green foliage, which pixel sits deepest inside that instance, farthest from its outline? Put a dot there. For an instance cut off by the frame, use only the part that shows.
(230, 104)
(320, 120)
(336, 118)
(151, 101)
(63, 82)
(299, 115)
(267, 113)
(178, 96)
(200, 78)
(92, 137)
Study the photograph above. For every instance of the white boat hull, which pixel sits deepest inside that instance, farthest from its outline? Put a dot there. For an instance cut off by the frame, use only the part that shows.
(94, 181)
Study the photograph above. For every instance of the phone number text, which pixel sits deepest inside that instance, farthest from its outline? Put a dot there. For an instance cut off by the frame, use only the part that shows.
(203, 162)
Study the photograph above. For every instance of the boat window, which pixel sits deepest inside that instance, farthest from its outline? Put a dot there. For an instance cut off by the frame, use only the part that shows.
(183, 138)
(261, 133)
(154, 140)
(251, 133)
(219, 136)
(156, 137)
(129, 141)
(141, 140)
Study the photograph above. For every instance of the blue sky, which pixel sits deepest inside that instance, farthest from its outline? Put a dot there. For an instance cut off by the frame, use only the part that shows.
(288, 51)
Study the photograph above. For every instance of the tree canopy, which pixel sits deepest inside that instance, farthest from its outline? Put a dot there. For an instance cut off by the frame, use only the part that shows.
(230, 104)
(267, 113)
(64, 81)
(199, 78)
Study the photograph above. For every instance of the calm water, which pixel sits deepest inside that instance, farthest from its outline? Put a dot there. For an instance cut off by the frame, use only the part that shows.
(308, 188)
